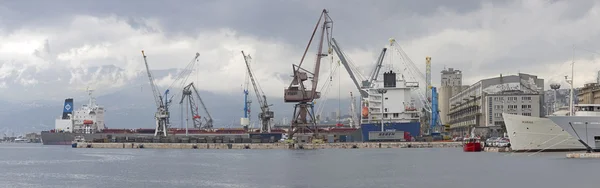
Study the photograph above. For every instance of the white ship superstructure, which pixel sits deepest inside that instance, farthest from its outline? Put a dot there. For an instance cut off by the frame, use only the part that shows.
(88, 119)
(529, 133)
(397, 101)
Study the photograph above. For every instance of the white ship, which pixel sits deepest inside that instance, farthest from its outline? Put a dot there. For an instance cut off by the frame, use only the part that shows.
(529, 134)
(87, 120)
(584, 125)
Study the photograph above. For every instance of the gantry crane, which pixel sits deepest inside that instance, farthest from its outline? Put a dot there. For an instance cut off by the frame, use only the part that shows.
(196, 119)
(266, 115)
(304, 120)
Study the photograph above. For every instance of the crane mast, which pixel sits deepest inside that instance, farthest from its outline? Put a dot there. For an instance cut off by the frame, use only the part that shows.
(162, 112)
(266, 114)
(304, 120)
(245, 121)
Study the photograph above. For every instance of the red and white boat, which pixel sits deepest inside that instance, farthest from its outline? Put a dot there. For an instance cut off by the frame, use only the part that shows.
(471, 145)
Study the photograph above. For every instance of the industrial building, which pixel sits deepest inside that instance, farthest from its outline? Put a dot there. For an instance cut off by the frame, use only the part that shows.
(451, 84)
(479, 104)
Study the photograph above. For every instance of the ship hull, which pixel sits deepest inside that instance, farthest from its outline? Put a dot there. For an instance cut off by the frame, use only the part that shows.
(530, 134)
(49, 138)
(586, 128)
(413, 128)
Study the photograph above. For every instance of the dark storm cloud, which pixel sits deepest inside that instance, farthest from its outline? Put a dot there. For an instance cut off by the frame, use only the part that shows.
(482, 38)
(356, 22)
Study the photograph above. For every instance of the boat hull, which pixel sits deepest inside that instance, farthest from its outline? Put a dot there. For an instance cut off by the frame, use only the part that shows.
(472, 147)
(530, 134)
(586, 128)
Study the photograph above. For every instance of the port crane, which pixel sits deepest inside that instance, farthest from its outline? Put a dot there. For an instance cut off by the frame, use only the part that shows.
(162, 102)
(266, 115)
(188, 93)
(162, 111)
(297, 92)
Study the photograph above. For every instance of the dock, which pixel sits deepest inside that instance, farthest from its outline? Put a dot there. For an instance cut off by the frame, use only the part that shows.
(497, 149)
(345, 145)
(584, 155)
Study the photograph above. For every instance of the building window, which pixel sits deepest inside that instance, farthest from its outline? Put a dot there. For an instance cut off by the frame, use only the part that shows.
(526, 114)
(526, 106)
(498, 115)
(385, 109)
(526, 98)
(396, 115)
(384, 115)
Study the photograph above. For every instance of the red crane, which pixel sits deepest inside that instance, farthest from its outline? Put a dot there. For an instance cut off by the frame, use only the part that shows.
(304, 120)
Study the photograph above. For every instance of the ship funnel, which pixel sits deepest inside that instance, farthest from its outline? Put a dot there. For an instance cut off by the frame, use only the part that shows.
(67, 108)
(389, 79)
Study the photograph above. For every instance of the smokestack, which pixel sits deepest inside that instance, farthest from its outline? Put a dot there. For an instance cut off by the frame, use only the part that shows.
(67, 108)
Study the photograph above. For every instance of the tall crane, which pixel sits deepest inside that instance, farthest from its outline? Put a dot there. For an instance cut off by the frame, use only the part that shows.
(266, 115)
(189, 92)
(162, 111)
(304, 120)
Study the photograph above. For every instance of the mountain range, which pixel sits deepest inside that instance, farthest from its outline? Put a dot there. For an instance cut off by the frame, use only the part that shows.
(127, 98)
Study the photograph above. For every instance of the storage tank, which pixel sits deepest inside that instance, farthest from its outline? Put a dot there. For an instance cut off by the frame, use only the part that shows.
(444, 94)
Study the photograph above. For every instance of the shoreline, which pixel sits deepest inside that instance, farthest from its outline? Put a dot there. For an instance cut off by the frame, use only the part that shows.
(345, 145)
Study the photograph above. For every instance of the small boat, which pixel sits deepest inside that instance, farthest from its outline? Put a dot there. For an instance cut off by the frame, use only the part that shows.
(471, 145)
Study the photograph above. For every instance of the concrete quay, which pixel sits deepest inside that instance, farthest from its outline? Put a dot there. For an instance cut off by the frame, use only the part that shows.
(345, 145)
(497, 149)
(584, 155)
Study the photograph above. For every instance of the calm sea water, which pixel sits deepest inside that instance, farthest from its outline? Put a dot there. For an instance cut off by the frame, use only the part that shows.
(34, 165)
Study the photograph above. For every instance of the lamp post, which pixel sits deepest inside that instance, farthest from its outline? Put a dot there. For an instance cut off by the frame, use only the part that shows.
(382, 92)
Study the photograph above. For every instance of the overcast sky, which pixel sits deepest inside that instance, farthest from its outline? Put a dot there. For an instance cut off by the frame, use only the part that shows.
(481, 38)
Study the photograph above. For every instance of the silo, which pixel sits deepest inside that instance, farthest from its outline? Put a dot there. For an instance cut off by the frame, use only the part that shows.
(444, 94)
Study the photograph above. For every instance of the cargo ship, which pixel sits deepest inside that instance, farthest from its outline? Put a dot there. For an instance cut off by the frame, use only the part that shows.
(394, 107)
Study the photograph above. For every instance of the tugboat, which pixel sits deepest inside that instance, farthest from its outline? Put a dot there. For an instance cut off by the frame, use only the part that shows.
(472, 144)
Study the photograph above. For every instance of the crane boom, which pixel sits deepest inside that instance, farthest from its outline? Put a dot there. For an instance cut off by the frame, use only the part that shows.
(157, 97)
(375, 72)
(336, 47)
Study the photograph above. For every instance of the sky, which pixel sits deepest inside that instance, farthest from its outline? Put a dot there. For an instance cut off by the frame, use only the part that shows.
(61, 41)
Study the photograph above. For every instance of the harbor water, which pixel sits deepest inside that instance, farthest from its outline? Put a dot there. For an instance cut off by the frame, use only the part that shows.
(35, 165)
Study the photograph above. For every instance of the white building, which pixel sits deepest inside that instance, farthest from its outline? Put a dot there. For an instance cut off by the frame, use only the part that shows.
(480, 104)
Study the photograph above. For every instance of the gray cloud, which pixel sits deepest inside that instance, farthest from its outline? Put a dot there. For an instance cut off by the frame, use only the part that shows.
(482, 38)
